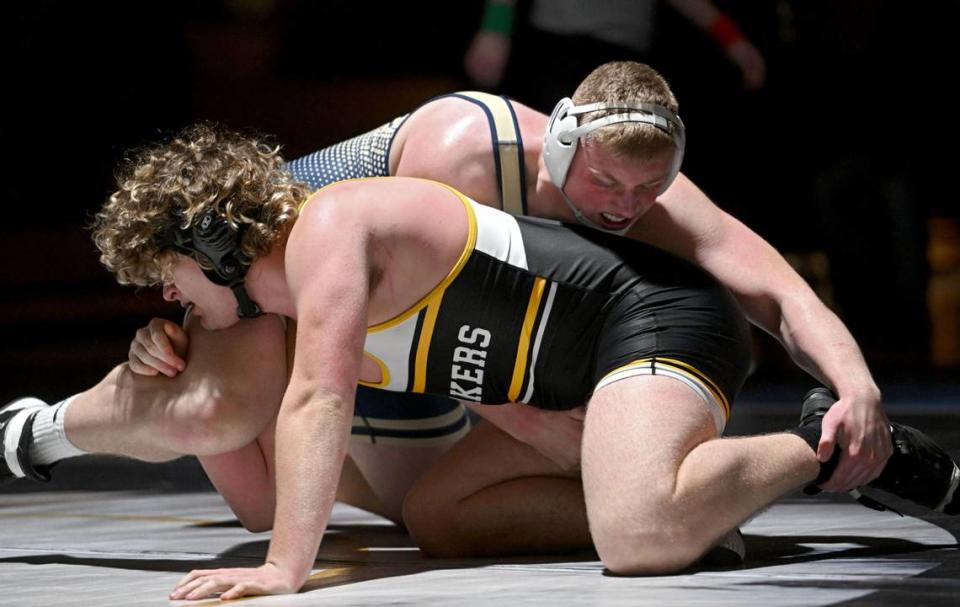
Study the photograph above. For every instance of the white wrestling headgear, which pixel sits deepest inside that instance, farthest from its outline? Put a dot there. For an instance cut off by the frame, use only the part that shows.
(564, 132)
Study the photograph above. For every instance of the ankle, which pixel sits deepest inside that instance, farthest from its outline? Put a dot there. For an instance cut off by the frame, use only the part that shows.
(50, 443)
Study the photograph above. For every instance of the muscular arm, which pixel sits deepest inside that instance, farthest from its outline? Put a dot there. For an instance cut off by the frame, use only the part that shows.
(776, 299)
(555, 434)
(328, 274)
(705, 15)
(449, 141)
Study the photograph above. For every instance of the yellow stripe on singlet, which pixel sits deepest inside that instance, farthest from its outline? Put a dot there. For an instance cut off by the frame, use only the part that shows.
(685, 369)
(384, 373)
(508, 151)
(711, 385)
(451, 275)
(423, 345)
(526, 334)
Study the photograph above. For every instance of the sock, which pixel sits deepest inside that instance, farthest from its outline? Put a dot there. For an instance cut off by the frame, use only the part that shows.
(811, 435)
(50, 442)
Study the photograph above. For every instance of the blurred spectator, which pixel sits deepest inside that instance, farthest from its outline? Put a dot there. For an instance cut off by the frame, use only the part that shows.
(558, 42)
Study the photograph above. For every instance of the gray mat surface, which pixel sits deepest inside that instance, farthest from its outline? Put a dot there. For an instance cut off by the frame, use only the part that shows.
(129, 548)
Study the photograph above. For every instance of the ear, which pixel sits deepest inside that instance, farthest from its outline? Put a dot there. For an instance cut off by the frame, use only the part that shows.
(558, 147)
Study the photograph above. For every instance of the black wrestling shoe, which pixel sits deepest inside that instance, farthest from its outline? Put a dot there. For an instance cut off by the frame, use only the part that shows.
(919, 470)
(816, 403)
(16, 436)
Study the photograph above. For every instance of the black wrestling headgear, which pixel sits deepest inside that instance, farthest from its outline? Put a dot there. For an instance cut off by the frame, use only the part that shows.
(212, 236)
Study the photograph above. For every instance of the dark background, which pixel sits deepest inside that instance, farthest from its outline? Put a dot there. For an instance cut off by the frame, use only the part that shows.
(843, 160)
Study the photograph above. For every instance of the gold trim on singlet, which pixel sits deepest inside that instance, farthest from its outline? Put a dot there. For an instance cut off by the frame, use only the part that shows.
(384, 373)
(508, 150)
(703, 377)
(526, 334)
(423, 344)
(683, 368)
(451, 275)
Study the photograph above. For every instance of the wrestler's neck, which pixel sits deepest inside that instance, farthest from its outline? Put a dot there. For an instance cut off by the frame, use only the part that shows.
(267, 283)
(547, 199)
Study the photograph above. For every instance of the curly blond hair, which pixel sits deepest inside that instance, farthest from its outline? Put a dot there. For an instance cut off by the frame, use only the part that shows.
(626, 82)
(203, 167)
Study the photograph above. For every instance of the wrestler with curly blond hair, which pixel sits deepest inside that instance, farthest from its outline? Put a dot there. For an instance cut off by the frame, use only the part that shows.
(204, 167)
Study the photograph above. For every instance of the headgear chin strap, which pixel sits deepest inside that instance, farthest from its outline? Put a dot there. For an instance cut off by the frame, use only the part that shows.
(212, 236)
(564, 132)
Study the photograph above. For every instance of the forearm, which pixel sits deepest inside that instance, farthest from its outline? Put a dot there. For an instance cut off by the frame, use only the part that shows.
(555, 434)
(773, 296)
(706, 16)
(821, 344)
(516, 419)
(312, 441)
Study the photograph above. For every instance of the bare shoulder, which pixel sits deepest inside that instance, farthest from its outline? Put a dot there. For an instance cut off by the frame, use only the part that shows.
(358, 208)
(448, 140)
(533, 125)
(334, 203)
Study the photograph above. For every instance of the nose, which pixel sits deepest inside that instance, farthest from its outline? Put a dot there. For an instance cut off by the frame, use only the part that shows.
(638, 202)
(170, 293)
(627, 202)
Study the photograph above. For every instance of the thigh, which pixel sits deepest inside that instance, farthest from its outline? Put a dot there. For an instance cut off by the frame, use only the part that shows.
(395, 438)
(637, 432)
(235, 378)
(491, 495)
(377, 477)
(487, 456)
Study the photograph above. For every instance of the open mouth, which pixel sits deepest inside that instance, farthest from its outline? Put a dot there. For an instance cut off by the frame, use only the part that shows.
(612, 221)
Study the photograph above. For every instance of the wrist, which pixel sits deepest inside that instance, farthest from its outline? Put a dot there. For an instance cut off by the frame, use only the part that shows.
(724, 31)
(294, 574)
(865, 390)
(498, 18)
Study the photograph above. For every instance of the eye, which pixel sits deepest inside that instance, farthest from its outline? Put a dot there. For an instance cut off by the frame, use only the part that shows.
(653, 186)
(603, 183)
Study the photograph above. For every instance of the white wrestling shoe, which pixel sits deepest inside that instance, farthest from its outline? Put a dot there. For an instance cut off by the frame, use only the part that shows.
(729, 551)
(16, 436)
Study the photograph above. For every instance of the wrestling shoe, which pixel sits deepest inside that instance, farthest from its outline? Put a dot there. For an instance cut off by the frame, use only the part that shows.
(919, 470)
(16, 436)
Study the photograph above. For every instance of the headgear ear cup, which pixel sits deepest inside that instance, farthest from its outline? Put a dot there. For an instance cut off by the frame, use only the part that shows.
(557, 153)
(218, 241)
(212, 236)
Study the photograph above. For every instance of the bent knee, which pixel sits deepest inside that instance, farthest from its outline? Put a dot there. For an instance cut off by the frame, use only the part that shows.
(657, 550)
(422, 517)
(199, 424)
(208, 423)
(432, 524)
